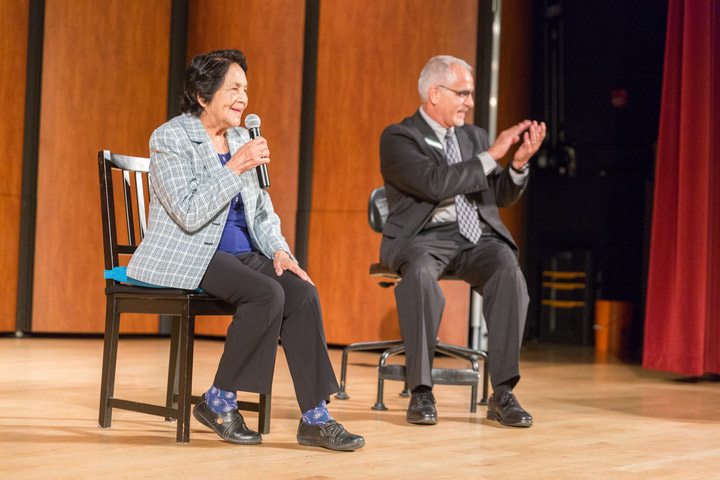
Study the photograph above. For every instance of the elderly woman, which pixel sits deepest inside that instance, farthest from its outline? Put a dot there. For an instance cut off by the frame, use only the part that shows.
(212, 226)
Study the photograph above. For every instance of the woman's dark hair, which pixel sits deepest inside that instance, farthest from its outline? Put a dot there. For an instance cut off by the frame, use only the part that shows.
(205, 75)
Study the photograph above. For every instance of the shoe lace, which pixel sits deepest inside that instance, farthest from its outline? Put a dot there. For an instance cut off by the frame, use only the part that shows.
(333, 431)
(426, 397)
(508, 398)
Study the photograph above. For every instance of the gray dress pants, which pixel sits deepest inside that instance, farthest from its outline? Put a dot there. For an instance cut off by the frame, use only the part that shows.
(491, 268)
(269, 307)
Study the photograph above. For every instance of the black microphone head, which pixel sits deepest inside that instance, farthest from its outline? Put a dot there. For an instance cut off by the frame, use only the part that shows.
(252, 121)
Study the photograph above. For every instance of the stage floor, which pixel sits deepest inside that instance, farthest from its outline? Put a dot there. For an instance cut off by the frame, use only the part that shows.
(592, 420)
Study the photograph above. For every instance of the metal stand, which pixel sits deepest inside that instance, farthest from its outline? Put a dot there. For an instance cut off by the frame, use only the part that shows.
(440, 376)
(357, 347)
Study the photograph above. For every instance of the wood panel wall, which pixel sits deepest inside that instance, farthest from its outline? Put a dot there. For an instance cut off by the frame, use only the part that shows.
(270, 33)
(370, 56)
(105, 73)
(105, 86)
(13, 52)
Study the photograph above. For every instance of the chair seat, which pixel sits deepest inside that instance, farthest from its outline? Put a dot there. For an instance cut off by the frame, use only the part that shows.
(168, 301)
(135, 290)
(380, 270)
(152, 292)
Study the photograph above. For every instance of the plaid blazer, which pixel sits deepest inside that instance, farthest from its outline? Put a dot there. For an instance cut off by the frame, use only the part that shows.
(190, 194)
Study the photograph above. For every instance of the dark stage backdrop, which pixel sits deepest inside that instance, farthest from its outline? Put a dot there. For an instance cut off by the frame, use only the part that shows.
(598, 87)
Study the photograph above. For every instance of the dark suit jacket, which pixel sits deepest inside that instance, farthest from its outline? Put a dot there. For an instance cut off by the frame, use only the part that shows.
(417, 178)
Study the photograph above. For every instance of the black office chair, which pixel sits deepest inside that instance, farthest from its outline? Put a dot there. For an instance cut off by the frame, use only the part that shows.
(182, 305)
(377, 213)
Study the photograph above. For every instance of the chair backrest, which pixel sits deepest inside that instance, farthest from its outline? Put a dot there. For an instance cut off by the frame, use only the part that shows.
(377, 209)
(122, 232)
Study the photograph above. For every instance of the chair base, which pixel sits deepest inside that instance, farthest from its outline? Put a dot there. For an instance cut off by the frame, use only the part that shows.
(172, 413)
(179, 400)
(440, 376)
(262, 407)
(358, 347)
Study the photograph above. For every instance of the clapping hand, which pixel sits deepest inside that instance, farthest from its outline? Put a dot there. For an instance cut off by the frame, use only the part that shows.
(532, 139)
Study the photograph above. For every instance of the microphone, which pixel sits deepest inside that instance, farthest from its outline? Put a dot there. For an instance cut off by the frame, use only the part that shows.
(252, 123)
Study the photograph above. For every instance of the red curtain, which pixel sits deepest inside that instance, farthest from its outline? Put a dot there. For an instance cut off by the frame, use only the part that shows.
(682, 320)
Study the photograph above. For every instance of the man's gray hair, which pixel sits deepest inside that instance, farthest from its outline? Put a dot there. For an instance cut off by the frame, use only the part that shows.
(438, 71)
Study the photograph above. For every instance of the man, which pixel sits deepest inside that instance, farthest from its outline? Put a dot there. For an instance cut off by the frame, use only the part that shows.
(444, 187)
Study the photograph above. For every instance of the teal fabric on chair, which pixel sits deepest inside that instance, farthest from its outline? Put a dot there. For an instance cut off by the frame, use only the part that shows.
(119, 274)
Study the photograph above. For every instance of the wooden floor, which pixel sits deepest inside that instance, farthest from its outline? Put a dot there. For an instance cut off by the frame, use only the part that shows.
(592, 420)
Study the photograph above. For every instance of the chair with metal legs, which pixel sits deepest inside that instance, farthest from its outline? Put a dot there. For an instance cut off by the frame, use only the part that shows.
(377, 213)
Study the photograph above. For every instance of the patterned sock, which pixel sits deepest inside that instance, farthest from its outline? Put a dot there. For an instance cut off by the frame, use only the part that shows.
(317, 415)
(221, 401)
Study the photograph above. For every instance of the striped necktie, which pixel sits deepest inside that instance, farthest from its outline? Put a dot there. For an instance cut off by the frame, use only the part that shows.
(467, 215)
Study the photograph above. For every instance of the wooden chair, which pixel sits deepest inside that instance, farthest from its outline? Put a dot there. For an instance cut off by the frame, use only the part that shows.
(377, 213)
(182, 305)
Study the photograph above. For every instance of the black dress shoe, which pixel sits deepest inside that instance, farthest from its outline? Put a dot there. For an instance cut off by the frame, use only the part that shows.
(421, 410)
(230, 425)
(330, 435)
(507, 410)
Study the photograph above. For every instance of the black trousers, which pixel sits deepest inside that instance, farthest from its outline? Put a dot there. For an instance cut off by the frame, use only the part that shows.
(491, 268)
(270, 307)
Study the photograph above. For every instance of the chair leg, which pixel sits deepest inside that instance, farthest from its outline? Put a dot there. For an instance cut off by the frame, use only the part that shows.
(359, 346)
(173, 364)
(484, 399)
(473, 398)
(187, 337)
(110, 347)
(379, 404)
(393, 350)
(467, 353)
(474, 386)
(264, 414)
(342, 394)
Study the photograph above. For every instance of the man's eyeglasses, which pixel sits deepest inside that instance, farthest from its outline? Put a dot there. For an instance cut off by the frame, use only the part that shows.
(460, 93)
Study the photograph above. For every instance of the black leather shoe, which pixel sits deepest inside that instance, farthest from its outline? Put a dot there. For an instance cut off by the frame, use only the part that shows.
(330, 435)
(421, 410)
(506, 409)
(230, 425)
